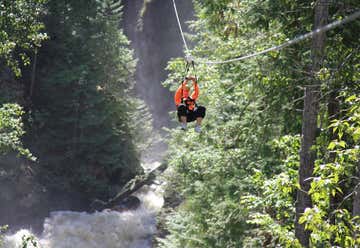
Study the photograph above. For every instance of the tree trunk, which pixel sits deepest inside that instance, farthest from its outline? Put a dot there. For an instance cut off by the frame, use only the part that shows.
(131, 187)
(33, 74)
(309, 124)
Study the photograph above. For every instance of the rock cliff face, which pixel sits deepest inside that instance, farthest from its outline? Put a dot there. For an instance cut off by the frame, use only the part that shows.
(157, 42)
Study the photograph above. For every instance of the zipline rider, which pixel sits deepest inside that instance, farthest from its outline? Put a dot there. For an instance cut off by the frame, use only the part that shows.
(187, 109)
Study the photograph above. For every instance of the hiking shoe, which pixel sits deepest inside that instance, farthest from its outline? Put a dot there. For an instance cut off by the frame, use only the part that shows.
(198, 129)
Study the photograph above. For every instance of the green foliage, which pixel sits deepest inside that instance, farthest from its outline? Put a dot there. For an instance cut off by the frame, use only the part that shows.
(20, 31)
(239, 178)
(11, 130)
(329, 179)
(29, 242)
(271, 209)
(82, 101)
(2, 230)
(225, 169)
(110, 9)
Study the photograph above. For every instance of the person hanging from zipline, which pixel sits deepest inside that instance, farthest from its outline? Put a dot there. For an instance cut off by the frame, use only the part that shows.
(187, 108)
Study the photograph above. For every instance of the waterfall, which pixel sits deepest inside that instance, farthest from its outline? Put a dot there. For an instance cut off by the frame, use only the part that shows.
(154, 45)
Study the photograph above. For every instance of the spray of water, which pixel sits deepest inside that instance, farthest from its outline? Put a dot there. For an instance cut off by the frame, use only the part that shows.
(110, 229)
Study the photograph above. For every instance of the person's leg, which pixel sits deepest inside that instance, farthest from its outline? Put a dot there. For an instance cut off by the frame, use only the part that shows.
(183, 119)
(181, 112)
(200, 114)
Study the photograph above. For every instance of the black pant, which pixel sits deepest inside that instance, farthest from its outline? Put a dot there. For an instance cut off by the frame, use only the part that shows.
(199, 111)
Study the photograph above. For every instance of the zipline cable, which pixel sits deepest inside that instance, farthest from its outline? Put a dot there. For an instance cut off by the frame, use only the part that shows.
(325, 28)
(290, 42)
(181, 31)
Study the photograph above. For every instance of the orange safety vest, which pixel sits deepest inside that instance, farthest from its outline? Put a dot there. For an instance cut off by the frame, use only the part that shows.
(182, 94)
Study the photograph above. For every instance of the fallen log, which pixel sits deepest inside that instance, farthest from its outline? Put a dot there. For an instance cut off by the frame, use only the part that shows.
(131, 187)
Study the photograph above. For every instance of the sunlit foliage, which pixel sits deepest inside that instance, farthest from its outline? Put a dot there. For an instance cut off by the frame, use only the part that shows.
(240, 176)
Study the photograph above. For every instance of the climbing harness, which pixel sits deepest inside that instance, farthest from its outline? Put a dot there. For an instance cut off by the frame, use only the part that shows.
(190, 104)
(291, 42)
(187, 68)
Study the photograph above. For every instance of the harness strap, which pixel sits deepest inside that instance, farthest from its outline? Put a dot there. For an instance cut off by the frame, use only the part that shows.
(189, 102)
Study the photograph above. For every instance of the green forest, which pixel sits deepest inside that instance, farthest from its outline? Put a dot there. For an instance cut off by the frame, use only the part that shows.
(67, 105)
(277, 163)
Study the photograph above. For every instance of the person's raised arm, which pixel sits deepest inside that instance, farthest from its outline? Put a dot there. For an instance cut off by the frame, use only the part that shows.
(178, 95)
(196, 92)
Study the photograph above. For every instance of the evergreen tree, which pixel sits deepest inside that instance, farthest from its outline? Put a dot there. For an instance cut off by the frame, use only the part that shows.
(82, 100)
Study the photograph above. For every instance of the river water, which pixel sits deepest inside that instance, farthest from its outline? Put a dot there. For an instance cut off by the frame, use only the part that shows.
(106, 229)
